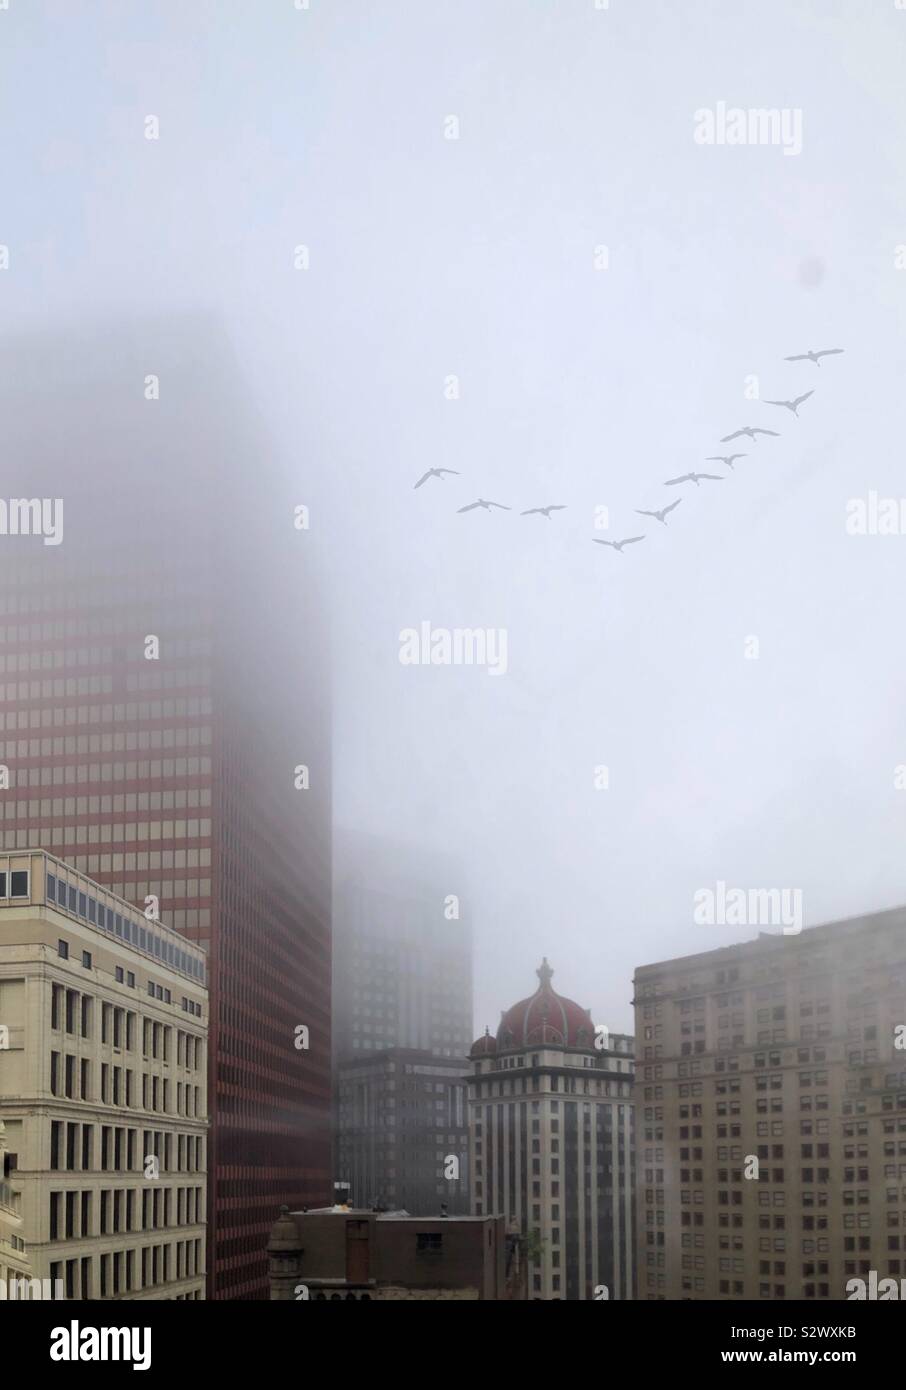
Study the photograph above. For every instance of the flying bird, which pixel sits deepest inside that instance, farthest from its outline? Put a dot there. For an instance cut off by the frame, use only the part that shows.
(543, 511)
(482, 503)
(659, 516)
(618, 545)
(751, 431)
(728, 459)
(812, 356)
(693, 478)
(793, 405)
(435, 473)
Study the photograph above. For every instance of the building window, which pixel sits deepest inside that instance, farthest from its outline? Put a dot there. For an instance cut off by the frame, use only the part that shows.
(63, 949)
(86, 959)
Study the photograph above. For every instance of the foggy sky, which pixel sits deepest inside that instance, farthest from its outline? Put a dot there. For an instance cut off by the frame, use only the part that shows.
(475, 257)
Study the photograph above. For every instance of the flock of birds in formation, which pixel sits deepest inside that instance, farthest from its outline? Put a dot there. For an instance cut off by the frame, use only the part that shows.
(749, 431)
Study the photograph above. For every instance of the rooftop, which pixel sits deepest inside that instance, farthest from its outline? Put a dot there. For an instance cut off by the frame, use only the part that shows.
(383, 1215)
(820, 935)
(35, 878)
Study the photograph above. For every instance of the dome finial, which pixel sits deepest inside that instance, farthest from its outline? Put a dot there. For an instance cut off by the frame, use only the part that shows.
(544, 973)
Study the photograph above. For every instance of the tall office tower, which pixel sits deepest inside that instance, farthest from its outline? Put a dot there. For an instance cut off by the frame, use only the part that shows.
(772, 1108)
(102, 1086)
(552, 1144)
(402, 990)
(402, 951)
(163, 715)
(402, 1138)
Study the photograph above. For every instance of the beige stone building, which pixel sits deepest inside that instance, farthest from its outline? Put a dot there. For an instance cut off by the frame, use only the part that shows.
(14, 1265)
(103, 1092)
(771, 1115)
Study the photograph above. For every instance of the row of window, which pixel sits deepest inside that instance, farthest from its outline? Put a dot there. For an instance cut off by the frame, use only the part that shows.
(72, 1012)
(808, 1222)
(117, 1087)
(131, 832)
(734, 1288)
(178, 919)
(75, 588)
(73, 899)
(126, 977)
(72, 1149)
(129, 1271)
(59, 774)
(128, 741)
(571, 1085)
(169, 678)
(807, 1199)
(855, 1057)
(43, 808)
(12, 691)
(733, 1086)
(53, 715)
(123, 596)
(82, 1214)
(856, 950)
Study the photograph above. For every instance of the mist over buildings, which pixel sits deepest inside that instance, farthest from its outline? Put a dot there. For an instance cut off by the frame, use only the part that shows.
(431, 258)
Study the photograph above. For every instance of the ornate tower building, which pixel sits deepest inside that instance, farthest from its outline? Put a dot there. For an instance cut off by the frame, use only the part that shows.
(552, 1146)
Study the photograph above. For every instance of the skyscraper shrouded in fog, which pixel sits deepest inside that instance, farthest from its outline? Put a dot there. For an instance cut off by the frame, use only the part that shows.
(402, 1138)
(402, 974)
(163, 681)
(402, 1021)
(552, 1144)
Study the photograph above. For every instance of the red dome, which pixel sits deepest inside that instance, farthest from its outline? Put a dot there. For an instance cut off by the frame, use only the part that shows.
(484, 1047)
(545, 1018)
